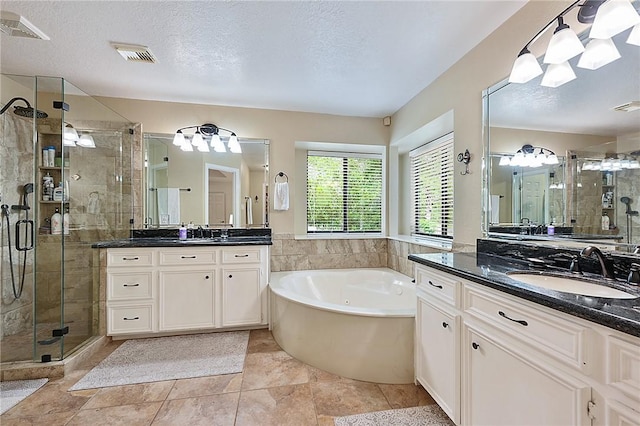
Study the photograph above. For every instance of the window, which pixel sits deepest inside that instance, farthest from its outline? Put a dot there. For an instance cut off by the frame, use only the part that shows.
(344, 192)
(432, 188)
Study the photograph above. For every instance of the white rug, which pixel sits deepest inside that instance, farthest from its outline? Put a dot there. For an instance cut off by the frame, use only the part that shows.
(431, 415)
(169, 358)
(15, 391)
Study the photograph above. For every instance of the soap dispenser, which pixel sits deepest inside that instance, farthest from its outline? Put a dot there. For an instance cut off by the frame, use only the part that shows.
(65, 221)
(56, 222)
(182, 232)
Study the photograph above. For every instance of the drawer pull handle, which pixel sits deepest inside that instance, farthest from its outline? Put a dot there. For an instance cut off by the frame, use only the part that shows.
(474, 345)
(130, 258)
(435, 285)
(241, 255)
(445, 325)
(521, 322)
(131, 319)
(187, 257)
(206, 277)
(131, 285)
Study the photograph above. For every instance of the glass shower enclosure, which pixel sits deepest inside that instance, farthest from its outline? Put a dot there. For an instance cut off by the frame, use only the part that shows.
(65, 183)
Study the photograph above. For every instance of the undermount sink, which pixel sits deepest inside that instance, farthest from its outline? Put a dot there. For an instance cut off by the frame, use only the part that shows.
(569, 285)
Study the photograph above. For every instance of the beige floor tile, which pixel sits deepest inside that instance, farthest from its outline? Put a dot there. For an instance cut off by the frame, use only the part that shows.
(404, 396)
(262, 341)
(346, 397)
(44, 420)
(130, 395)
(126, 415)
(325, 421)
(279, 406)
(213, 410)
(317, 375)
(270, 369)
(51, 398)
(203, 386)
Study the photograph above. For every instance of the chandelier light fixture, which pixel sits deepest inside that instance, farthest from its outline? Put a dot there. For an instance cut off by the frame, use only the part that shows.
(205, 136)
(530, 156)
(607, 18)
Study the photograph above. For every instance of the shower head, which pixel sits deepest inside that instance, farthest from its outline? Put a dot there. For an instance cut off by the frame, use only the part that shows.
(627, 201)
(27, 111)
(28, 188)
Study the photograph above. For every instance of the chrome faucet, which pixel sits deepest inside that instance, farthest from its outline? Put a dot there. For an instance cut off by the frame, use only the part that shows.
(606, 264)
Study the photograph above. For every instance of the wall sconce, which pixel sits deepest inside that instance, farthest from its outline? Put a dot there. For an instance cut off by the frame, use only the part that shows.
(209, 131)
(608, 18)
(530, 156)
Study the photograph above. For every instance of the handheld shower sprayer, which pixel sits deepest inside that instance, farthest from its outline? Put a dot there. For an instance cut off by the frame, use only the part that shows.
(627, 201)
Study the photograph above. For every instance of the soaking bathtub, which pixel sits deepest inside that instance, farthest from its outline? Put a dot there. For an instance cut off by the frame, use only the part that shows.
(357, 323)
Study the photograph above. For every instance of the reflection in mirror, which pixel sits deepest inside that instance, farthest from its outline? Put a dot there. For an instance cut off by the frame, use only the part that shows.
(592, 194)
(205, 188)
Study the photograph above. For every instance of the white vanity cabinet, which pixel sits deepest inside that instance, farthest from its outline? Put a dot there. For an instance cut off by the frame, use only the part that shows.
(520, 363)
(437, 351)
(244, 283)
(173, 289)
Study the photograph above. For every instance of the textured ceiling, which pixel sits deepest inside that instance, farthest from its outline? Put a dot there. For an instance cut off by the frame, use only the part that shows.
(362, 58)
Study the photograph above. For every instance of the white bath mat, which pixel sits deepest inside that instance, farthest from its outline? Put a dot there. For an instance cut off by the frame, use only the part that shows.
(15, 391)
(431, 415)
(168, 358)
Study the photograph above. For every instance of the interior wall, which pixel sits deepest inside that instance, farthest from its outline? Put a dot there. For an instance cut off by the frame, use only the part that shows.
(460, 89)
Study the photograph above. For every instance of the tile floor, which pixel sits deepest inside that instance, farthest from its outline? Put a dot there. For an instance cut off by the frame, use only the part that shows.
(273, 389)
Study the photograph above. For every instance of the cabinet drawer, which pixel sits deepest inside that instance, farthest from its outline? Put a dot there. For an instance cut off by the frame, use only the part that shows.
(556, 336)
(623, 365)
(127, 258)
(129, 285)
(443, 287)
(130, 319)
(187, 256)
(245, 255)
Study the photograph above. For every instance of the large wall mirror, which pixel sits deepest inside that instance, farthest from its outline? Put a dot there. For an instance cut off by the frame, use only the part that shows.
(205, 188)
(592, 193)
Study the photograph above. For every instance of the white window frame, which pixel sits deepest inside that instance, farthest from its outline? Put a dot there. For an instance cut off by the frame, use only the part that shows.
(353, 154)
(433, 147)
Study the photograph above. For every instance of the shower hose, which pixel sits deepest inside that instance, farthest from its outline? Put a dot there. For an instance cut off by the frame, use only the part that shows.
(17, 292)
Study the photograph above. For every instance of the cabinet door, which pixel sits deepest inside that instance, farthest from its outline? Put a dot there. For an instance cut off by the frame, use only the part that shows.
(501, 387)
(437, 356)
(241, 296)
(186, 299)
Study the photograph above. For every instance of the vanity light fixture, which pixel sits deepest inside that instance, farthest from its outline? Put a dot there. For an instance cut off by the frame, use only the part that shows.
(206, 135)
(86, 141)
(608, 18)
(530, 156)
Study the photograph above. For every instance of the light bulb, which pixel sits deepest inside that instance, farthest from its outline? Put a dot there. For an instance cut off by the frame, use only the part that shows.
(564, 45)
(86, 141)
(217, 144)
(557, 75)
(178, 138)
(613, 17)
(599, 52)
(505, 160)
(234, 145)
(634, 35)
(525, 68)
(197, 139)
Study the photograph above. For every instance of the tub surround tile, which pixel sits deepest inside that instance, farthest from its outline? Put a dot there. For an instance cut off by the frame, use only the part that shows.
(279, 406)
(345, 397)
(219, 410)
(205, 386)
(269, 369)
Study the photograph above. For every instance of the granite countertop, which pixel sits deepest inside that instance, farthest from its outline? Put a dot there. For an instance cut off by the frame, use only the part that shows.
(189, 242)
(490, 270)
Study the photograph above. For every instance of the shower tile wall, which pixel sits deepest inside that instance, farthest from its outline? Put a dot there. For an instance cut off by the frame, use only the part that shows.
(628, 185)
(16, 151)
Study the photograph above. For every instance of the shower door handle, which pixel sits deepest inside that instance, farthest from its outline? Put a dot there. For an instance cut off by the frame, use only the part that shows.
(28, 229)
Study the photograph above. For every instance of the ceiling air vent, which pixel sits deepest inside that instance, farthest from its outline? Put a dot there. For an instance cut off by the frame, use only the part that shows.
(135, 53)
(628, 107)
(18, 26)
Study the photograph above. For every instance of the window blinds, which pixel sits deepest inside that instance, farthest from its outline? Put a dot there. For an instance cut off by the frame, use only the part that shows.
(344, 192)
(432, 188)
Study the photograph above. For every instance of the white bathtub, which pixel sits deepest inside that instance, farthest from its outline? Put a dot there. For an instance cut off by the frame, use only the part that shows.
(357, 323)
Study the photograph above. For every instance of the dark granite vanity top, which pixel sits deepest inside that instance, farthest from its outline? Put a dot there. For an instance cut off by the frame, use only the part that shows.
(490, 270)
(167, 237)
